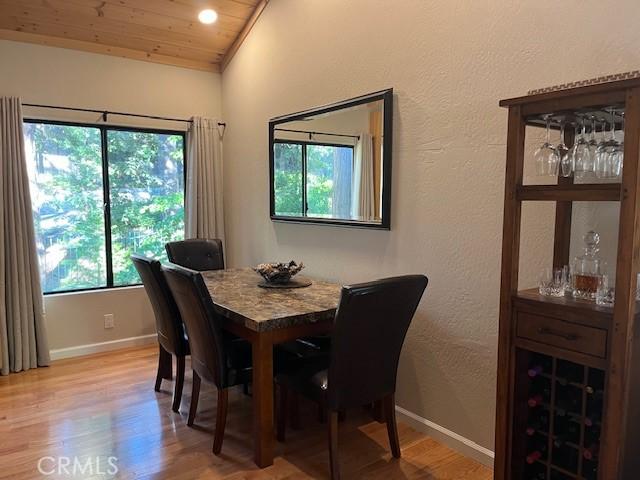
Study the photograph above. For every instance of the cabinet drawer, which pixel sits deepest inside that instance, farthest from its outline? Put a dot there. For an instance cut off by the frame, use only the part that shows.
(561, 334)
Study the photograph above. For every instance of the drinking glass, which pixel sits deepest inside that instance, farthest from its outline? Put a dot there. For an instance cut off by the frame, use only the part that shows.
(566, 280)
(593, 141)
(562, 151)
(606, 294)
(602, 163)
(580, 154)
(615, 151)
(544, 282)
(546, 157)
(551, 282)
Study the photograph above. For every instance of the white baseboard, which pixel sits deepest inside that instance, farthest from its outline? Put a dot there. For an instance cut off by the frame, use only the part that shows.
(467, 447)
(81, 350)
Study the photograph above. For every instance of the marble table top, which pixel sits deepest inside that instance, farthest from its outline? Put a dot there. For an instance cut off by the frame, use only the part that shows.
(236, 295)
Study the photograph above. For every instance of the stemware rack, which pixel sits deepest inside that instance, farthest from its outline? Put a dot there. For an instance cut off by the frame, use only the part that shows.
(568, 396)
(607, 114)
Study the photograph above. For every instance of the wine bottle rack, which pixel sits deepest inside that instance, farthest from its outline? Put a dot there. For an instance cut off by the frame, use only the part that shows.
(560, 413)
(601, 341)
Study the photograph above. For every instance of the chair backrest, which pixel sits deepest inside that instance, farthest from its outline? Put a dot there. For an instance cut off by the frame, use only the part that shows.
(197, 254)
(370, 326)
(168, 321)
(201, 321)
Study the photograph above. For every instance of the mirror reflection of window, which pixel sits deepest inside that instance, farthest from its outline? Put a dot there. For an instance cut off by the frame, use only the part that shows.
(288, 178)
(329, 166)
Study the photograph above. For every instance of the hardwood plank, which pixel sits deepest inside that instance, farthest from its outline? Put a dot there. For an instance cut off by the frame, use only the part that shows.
(108, 38)
(215, 40)
(151, 30)
(188, 9)
(106, 50)
(105, 405)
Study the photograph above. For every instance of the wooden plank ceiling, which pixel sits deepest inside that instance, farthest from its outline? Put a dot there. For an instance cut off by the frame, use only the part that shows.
(160, 31)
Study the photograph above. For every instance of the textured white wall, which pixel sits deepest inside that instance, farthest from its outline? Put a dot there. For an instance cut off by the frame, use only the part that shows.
(449, 61)
(56, 76)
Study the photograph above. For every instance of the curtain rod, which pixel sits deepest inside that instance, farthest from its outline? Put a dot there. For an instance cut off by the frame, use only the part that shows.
(104, 113)
(316, 133)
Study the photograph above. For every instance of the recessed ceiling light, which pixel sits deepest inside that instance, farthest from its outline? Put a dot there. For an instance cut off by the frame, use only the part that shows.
(208, 16)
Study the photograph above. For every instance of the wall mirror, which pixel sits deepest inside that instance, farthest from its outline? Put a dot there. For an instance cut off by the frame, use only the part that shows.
(332, 164)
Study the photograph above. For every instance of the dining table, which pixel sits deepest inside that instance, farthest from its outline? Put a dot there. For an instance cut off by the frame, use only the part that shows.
(267, 317)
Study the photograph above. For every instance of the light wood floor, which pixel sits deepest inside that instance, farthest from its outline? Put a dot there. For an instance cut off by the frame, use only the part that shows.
(104, 405)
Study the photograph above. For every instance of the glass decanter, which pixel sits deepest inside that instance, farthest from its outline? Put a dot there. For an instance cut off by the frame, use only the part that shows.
(587, 269)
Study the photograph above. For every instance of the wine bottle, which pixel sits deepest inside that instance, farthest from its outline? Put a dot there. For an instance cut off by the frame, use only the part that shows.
(534, 456)
(537, 453)
(539, 423)
(591, 453)
(534, 371)
(566, 431)
(535, 401)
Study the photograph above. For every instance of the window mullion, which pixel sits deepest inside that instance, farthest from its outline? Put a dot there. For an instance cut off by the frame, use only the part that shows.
(304, 180)
(106, 206)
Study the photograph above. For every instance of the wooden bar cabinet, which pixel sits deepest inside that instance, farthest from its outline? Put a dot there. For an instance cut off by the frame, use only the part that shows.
(582, 359)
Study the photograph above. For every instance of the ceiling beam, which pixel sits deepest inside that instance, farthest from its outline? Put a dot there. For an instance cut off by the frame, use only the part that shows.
(235, 46)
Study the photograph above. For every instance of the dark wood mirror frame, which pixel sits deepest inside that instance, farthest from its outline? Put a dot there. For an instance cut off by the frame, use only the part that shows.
(387, 143)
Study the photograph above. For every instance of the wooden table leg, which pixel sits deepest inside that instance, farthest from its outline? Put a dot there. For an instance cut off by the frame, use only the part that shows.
(262, 348)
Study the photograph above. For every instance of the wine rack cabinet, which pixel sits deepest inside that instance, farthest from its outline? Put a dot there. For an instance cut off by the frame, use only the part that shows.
(558, 434)
(568, 394)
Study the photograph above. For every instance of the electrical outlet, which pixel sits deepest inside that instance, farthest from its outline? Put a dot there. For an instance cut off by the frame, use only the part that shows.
(108, 320)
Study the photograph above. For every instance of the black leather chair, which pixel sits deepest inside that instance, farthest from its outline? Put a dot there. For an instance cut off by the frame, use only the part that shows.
(197, 254)
(171, 336)
(370, 327)
(216, 358)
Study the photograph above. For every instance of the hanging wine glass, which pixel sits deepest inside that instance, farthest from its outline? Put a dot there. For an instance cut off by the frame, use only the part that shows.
(580, 154)
(567, 163)
(562, 151)
(546, 157)
(593, 141)
(615, 149)
(603, 166)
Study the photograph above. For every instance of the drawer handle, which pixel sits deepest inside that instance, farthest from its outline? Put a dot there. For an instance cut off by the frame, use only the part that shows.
(567, 336)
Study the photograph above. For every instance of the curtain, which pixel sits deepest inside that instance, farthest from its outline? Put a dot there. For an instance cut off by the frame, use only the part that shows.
(342, 183)
(362, 193)
(204, 212)
(23, 338)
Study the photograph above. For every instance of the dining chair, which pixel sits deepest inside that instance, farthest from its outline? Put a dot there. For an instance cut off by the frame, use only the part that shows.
(369, 329)
(171, 335)
(216, 357)
(197, 254)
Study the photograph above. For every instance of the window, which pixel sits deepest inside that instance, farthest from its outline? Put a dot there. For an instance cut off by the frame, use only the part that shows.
(99, 194)
(312, 179)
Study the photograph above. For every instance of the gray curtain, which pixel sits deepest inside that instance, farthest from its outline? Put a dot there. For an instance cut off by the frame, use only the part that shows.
(342, 180)
(362, 194)
(204, 204)
(23, 339)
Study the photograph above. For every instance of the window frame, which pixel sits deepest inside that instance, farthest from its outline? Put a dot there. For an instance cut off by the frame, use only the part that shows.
(106, 192)
(304, 144)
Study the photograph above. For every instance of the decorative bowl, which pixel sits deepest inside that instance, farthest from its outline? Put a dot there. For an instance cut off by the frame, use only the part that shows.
(278, 273)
